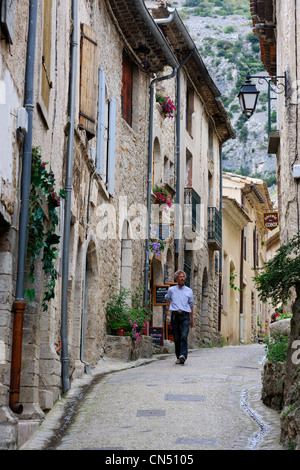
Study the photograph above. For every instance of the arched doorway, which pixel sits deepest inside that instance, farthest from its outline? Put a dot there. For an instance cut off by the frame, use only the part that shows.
(91, 326)
(77, 303)
(157, 278)
(126, 257)
(157, 164)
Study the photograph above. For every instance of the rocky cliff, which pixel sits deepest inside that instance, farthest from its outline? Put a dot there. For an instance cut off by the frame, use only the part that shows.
(222, 31)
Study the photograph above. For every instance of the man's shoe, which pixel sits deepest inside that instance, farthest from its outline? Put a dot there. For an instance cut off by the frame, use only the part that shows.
(182, 359)
(178, 361)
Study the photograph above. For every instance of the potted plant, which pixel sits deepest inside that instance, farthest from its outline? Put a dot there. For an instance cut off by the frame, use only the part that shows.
(167, 105)
(157, 246)
(162, 196)
(127, 315)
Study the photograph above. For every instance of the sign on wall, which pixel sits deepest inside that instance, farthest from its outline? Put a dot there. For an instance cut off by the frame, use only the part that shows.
(159, 294)
(271, 220)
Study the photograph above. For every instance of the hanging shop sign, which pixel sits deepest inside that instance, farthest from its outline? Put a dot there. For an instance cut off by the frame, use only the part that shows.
(271, 220)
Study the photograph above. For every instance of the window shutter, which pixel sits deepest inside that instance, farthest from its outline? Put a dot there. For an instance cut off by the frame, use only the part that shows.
(254, 247)
(111, 147)
(8, 19)
(88, 81)
(101, 122)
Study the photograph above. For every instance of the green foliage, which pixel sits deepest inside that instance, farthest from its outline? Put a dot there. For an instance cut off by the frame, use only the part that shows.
(167, 105)
(284, 316)
(219, 7)
(280, 274)
(277, 347)
(229, 29)
(42, 223)
(132, 320)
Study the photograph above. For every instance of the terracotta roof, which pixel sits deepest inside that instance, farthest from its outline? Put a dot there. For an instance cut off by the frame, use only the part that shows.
(149, 51)
(263, 14)
(261, 188)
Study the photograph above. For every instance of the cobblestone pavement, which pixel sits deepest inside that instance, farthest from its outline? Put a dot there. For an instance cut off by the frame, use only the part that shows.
(212, 402)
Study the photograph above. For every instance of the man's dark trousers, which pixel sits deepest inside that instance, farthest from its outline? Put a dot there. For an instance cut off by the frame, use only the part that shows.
(180, 327)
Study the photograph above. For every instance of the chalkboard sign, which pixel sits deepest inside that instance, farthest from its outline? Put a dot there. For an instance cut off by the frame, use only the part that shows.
(157, 334)
(159, 294)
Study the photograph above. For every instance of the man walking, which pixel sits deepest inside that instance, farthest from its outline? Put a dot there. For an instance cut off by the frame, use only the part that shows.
(180, 301)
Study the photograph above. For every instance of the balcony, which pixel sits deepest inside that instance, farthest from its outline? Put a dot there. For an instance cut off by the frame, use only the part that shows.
(192, 203)
(214, 229)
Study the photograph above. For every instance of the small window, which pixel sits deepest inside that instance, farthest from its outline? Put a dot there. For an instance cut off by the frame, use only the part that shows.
(46, 81)
(210, 140)
(189, 108)
(189, 170)
(126, 94)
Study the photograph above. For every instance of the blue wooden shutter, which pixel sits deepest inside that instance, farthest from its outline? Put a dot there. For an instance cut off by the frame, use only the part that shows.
(111, 146)
(7, 14)
(101, 123)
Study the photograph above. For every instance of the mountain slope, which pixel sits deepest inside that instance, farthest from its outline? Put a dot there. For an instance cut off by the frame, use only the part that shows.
(222, 31)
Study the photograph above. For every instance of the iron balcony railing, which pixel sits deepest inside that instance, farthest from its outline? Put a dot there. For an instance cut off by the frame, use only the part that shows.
(214, 228)
(192, 203)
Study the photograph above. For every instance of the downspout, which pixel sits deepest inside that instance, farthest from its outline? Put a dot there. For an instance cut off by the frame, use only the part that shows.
(168, 19)
(241, 323)
(177, 199)
(149, 183)
(19, 304)
(67, 215)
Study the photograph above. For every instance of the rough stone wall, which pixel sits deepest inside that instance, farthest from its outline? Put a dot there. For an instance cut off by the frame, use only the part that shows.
(290, 417)
(288, 47)
(12, 70)
(288, 41)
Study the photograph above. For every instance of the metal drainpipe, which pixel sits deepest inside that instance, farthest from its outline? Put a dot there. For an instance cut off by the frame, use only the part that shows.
(19, 304)
(67, 217)
(242, 270)
(150, 151)
(178, 160)
(168, 19)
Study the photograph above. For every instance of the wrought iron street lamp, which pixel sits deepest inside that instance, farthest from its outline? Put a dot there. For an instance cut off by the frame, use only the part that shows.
(248, 95)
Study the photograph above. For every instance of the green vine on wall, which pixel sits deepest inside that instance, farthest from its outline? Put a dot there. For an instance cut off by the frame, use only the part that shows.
(42, 224)
(232, 284)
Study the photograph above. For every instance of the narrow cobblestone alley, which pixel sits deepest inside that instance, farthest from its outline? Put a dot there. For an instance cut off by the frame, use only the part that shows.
(212, 402)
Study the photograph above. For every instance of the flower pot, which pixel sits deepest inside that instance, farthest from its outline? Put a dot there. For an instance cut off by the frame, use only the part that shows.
(120, 332)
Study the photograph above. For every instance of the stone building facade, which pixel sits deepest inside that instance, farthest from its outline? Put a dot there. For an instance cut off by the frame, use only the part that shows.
(202, 127)
(106, 144)
(244, 250)
(277, 25)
